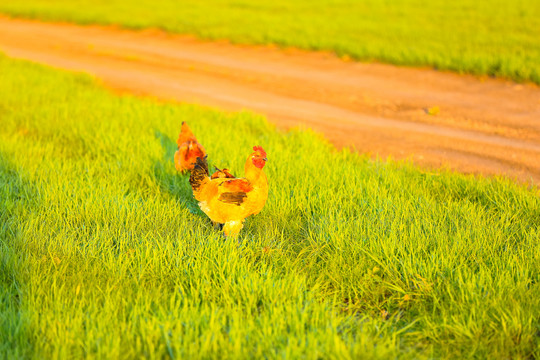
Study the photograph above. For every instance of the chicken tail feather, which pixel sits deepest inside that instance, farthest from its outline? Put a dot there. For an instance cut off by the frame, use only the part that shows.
(199, 174)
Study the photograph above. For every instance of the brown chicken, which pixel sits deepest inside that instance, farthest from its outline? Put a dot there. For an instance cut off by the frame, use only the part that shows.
(188, 151)
(230, 200)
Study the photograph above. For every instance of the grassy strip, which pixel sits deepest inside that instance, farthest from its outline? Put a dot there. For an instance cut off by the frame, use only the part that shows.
(477, 37)
(104, 253)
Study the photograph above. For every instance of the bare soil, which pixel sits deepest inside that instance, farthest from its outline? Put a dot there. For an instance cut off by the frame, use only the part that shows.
(482, 125)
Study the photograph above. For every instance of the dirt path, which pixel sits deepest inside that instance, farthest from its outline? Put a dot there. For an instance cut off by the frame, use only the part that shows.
(483, 126)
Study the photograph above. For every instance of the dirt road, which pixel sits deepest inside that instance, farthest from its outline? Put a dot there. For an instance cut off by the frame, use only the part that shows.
(482, 126)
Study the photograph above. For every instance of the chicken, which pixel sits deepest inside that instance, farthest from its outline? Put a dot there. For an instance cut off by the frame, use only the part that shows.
(230, 200)
(188, 151)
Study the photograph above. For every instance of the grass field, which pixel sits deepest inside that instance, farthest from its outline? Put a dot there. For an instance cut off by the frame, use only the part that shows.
(480, 37)
(103, 252)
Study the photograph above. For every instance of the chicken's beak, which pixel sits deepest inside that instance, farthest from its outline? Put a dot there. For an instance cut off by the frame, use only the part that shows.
(265, 159)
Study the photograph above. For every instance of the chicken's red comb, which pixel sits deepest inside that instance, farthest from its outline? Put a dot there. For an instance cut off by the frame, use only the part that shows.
(260, 149)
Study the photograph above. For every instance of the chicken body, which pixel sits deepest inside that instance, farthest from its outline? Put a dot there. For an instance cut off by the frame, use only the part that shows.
(188, 151)
(230, 200)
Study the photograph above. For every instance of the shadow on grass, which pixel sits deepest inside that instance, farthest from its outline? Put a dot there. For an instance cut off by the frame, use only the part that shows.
(173, 182)
(16, 198)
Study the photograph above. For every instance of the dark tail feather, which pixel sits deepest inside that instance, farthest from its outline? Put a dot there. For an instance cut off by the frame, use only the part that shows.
(199, 174)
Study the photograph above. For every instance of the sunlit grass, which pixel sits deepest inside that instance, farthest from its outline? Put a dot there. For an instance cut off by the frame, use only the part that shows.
(480, 37)
(104, 252)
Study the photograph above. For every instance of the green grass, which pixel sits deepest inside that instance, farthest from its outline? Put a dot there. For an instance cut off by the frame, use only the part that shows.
(484, 37)
(103, 252)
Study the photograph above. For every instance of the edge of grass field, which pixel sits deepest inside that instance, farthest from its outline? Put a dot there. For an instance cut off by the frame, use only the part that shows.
(420, 61)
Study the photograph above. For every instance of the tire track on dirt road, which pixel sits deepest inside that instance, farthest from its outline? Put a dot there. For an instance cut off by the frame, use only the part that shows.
(483, 125)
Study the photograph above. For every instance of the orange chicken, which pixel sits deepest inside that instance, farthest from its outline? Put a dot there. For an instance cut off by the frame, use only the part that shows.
(188, 151)
(230, 200)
